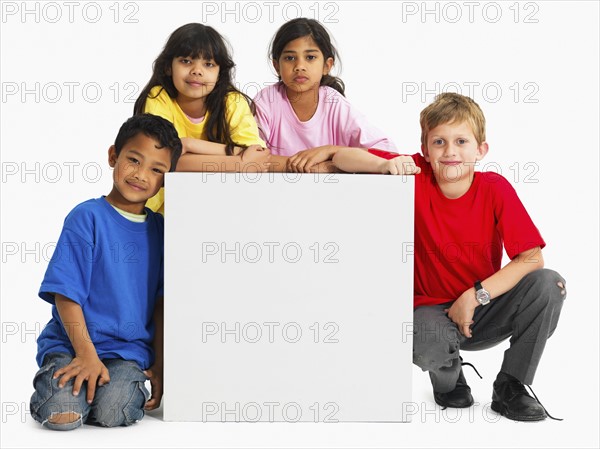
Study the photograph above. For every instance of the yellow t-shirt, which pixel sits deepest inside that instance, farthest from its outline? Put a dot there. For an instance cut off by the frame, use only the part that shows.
(244, 130)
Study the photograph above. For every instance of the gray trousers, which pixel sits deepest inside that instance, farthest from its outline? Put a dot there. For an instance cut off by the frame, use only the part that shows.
(528, 313)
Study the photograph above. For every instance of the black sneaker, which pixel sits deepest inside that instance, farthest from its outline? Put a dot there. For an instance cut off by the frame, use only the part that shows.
(511, 399)
(460, 397)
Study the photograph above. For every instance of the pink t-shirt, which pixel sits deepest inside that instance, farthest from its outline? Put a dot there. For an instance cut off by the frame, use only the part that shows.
(335, 122)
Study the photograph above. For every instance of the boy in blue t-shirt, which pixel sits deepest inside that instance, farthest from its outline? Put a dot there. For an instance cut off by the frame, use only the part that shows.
(105, 282)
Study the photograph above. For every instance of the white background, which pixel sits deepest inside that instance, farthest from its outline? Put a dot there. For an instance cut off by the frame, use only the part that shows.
(387, 52)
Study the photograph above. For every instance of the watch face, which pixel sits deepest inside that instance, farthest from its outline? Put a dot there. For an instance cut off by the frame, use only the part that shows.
(483, 296)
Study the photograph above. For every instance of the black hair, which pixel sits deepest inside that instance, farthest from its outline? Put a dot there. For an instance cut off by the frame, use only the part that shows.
(302, 27)
(152, 126)
(196, 40)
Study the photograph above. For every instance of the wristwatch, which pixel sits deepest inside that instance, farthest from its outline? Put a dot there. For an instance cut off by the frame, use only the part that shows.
(481, 294)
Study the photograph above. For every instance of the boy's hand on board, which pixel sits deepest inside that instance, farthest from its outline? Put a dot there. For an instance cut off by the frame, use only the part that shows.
(462, 310)
(256, 159)
(155, 375)
(84, 368)
(401, 165)
(304, 161)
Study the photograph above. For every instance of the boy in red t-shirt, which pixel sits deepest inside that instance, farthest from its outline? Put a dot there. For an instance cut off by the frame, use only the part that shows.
(463, 298)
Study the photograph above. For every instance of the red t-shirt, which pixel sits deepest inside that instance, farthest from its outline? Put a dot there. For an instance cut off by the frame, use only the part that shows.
(459, 241)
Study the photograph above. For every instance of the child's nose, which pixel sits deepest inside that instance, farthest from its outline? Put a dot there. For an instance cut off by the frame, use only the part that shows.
(449, 150)
(140, 173)
(197, 69)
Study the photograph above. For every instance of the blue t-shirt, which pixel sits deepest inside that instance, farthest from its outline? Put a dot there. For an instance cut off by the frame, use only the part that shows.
(113, 268)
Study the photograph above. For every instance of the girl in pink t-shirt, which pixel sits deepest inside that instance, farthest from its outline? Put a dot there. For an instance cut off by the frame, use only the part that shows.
(305, 115)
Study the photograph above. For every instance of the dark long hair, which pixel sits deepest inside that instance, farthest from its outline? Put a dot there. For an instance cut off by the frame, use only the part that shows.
(196, 40)
(302, 27)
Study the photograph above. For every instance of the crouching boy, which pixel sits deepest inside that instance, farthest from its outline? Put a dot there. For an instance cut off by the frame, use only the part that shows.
(463, 298)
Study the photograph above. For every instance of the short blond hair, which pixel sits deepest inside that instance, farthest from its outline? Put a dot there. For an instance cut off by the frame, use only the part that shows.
(450, 107)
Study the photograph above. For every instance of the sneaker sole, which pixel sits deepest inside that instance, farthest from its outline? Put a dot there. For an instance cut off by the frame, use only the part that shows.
(499, 408)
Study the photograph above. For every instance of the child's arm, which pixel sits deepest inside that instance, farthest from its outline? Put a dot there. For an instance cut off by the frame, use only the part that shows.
(253, 159)
(86, 365)
(199, 146)
(155, 372)
(357, 160)
(462, 310)
(279, 163)
(303, 161)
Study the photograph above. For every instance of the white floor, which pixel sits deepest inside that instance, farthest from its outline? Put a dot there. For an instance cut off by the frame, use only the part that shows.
(565, 391)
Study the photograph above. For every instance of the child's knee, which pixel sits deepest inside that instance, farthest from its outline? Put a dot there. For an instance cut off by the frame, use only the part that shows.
(64, 418)
(55, 407)
(435, 345)
(64, 421)
(120, 407)
(550, 285)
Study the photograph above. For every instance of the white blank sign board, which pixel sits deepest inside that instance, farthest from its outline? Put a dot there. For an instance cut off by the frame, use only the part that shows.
(288, 297)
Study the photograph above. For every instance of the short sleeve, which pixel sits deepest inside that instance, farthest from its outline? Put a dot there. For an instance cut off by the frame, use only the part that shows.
(244, 130)
(262, 121)
(514, 224)
(365, 135)
(156, 104)
(69, 272)
(383, 154)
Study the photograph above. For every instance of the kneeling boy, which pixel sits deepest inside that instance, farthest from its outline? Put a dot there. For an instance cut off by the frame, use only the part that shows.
(105, 282)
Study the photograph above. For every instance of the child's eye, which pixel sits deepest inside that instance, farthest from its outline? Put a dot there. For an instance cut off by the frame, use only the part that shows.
(289, 58)
(311, 57)
(438, 141)
(462, 141)
(210, 64)
(133, 160)
(185, 61)
(157, 170)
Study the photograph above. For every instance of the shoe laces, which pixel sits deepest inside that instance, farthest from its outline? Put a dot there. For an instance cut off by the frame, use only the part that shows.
(538, 401)
(519, 386)
(462, 363)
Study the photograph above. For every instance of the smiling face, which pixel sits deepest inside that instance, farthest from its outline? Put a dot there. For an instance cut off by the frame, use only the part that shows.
(452, 150)
(194, 79)
(301, 66)
(138, 172)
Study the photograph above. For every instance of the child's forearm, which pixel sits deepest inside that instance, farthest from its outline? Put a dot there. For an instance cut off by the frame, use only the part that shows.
(209, 163)
(199, 146)
(278, 163)
(73, 321)
(356, 160)
(158, 342)
(510, 275)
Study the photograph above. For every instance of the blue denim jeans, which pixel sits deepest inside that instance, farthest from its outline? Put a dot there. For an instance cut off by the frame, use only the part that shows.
(118, 403)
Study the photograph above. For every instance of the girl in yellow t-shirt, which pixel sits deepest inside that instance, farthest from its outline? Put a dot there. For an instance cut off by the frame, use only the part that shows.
(192, 87)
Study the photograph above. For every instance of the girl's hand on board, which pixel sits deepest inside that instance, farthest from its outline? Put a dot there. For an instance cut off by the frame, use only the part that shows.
(256, 159)
(325, 167)
(304, 161)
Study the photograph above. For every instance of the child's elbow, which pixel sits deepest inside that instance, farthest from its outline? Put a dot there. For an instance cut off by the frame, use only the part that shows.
(537, 258)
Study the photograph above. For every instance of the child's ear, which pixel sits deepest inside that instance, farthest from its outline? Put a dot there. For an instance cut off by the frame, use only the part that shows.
(425, 152)
(482, 150)
(276, 66)
(327, 66)
(112, 156)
